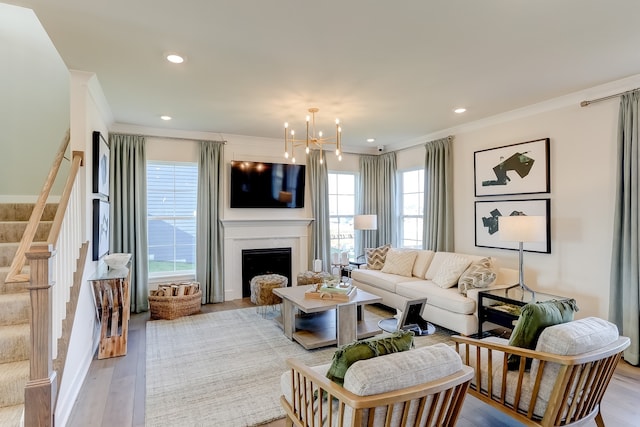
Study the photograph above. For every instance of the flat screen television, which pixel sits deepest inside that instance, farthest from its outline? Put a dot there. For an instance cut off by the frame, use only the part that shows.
(267, 185)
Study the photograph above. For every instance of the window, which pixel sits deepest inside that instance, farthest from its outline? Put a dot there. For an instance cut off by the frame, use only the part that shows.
(342, 203)
(171, 216)
(412, 208)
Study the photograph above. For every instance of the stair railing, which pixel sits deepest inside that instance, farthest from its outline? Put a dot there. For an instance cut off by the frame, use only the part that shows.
(52, 264)
(15, 274)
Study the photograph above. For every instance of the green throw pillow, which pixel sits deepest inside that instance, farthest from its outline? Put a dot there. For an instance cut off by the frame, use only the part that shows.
(348, 354)
(534, 317)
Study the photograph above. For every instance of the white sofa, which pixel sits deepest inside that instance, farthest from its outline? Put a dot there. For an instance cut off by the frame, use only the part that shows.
(447, 307)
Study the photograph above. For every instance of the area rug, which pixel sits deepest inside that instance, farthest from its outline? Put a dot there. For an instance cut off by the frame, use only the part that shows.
(223, 368)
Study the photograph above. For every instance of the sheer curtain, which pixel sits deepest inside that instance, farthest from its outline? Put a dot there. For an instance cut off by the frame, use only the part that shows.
(624, 306)
(438, 196)
(320, 247)
(128, 182)
(209, 236)
(376, 195)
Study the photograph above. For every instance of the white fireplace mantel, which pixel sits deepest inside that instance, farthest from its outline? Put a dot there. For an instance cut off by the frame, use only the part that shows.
(240, 234)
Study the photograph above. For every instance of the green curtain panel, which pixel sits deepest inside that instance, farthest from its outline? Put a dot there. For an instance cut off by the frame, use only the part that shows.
(624, 307)
(376, 195)
(209, 235)
(438, 196)
(128, 182)
(320, 247)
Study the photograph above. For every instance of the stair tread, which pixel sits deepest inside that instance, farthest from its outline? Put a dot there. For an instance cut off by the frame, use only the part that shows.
(11, 416)
(13, 378)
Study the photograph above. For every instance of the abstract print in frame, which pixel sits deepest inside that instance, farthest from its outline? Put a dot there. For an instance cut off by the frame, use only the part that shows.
(100, 229)
(487, 228)
(100, 164)
(521, 168)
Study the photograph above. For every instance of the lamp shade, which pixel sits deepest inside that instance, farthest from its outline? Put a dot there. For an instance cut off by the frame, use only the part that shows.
(522, 228)
(365, 222)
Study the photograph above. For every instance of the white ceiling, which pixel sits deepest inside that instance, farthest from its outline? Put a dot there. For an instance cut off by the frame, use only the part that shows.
(390, 70)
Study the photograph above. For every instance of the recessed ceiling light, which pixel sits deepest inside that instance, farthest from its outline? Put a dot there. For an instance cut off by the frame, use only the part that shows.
(371, 140)
(165, 118)
(175, 58)
(459, 110)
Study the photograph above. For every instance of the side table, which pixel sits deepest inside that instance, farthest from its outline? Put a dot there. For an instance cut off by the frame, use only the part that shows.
(502, 306)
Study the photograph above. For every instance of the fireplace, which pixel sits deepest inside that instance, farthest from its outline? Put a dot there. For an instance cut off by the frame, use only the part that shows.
(264, 261)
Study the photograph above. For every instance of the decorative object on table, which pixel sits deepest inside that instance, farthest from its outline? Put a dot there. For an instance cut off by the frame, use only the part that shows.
(310, 277)
(117, 261)
(331, 291)
(488, 213)
(317, 266)
(173, 300)
(100, 165)
(521, 168)
(522, 228)
(100, 229)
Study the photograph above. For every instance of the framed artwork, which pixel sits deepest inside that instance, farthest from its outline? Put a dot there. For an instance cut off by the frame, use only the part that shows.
(100, 228)
(100, 164)
(521, 168)
(487, 229)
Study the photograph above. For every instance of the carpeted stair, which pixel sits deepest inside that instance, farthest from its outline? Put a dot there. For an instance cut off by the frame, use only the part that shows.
(15, 311)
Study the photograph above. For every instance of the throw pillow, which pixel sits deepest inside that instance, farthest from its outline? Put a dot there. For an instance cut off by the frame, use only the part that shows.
(376, 257)
(534, 318)
(450, 271)
(348, 354)
(480, 274)
(399, 262)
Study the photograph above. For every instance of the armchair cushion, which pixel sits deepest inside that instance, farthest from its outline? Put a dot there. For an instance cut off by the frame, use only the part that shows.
(347, 355)
(397, 371)
(534, 318)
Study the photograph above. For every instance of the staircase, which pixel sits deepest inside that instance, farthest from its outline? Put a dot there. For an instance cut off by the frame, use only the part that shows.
(15, 311)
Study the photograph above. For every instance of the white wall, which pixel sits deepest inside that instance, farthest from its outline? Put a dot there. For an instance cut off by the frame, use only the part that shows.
(34, 105)
(89, 112)
(582, 156)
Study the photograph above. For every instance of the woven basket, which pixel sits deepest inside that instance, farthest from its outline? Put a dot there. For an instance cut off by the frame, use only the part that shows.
(173, 307)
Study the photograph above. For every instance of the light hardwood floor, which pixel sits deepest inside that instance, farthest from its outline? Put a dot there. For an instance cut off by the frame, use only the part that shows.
(113, 393)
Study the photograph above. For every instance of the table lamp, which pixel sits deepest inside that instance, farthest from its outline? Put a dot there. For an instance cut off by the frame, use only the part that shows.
(522, 228)
(365, 222)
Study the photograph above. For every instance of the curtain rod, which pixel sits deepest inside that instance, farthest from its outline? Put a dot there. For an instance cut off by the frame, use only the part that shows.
(223, 141)
(585, 103)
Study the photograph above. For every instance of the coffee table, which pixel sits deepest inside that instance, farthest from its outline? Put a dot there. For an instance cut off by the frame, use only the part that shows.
(318, 323)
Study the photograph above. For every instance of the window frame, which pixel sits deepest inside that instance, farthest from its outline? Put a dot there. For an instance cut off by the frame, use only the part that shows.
(341, 218)
(401, 208)
(175, 274)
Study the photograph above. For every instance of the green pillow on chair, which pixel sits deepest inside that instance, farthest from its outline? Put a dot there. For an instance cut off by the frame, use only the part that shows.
(534, 317)
(348, 354)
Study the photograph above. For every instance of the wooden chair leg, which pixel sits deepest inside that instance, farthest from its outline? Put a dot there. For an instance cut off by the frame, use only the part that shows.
(599, 421)
(288, 422)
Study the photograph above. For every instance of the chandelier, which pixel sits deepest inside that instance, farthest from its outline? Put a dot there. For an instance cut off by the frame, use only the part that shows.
(312, 139)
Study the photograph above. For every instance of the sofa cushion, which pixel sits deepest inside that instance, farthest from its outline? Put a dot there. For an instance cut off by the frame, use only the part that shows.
(450, 271)
(376, 256)
(447, 299)
(440, 257)
(423, 259)
(399, 262)
(400, 370)
(479, 274)
(534, 318)
(378, 279)
(348, 354)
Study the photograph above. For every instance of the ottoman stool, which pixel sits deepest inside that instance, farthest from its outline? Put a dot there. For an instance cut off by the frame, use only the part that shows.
(261, 290)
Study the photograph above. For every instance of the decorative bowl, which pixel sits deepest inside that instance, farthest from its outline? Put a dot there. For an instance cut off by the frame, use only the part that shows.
(117, 261)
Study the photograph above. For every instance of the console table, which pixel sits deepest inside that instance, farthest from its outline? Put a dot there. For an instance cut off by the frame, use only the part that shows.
(111, 296)
(502, 306)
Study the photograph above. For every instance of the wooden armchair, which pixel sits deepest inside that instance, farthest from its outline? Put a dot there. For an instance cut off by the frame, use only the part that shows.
(570, 371)
(387, 390)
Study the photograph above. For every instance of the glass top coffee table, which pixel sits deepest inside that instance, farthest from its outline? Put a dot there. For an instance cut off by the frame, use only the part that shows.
(323, 322)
